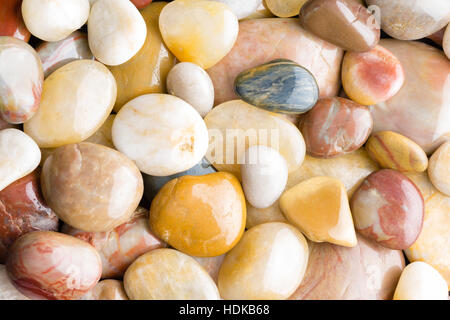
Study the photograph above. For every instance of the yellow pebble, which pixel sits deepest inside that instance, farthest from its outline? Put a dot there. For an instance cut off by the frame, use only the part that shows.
(285, 8)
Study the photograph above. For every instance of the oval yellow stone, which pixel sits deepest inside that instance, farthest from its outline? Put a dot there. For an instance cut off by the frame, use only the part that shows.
(167, 274)
(146, 72)
(235, 125)
(201, 31)
(76, 100)
(394, 151)
(268, 263)
(319, 208)
(285, 8)
(439, 168)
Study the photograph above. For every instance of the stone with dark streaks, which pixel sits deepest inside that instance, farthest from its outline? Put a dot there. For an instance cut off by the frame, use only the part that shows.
(280, 85)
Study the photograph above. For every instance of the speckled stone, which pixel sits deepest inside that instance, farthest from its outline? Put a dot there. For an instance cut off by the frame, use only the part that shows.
(389, 209)
(335, 126)
(439, 168)
(279, 86)
(107, 290)
(12, 22)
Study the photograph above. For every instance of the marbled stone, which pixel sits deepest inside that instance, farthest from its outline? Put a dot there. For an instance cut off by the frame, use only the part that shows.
(319, 208)
(200, 215)
(389, 209)
(21, 80)
(19, 156)
(412, 20)
(346, 24)
(107, 290)
(167, 274)
(202, 32)
(7, 290)
(446, 41)
(432, 245)
(335, 126)
(118, 248)
(56, 54)
(394, 151)
(163, 134)
(279, 86)
(235, 125)
(192, 84)
(285, 8)
(147, 70)
(91, 187)
(365, 272)
(116, 31)
(371, 77)
(268, 263)
(53, 266)
(22, 210)
(421, 109)
(54, 20)
(242, 9)
(262, 40)
(439, 168)
(12, 22)
(76, 100)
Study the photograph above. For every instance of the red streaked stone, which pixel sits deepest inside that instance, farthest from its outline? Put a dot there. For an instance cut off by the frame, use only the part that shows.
(11, 21)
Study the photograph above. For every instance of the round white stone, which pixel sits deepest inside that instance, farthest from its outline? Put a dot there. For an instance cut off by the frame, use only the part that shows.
(264, 175)
(192, 84)
(54, 20)
(19, 156)
(242, 8)
(116, 31)
(163, 134)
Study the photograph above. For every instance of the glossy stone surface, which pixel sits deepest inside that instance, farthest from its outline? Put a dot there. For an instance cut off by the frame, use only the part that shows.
(335, 126)
(54, 20)
(432, 245)
(264, 176)
(147, 70)
(152, 184)
(202, 32)
(285, 8)
(107, 290)
(446, 42)
(7, 289)
(53, 266)
(140, 4)
(76, 100)
(22, 210)
(439, 168)
(56, 54)
(12, 22)
(319, 208)
(250, 126)
(21, 80)
(394, 151)
(411, 20)
(116, 31)
(268, 263)
(161, 144)
(19, 156)
(119, 247)
(211, 265)
(200, 215)
(192, 84)
(91, 187)
(421, 109)
(365, 272)
(279, 86)
(263, 40)
(346, 24)
(242, 9)
(389, 209)
(167, 274)
(371, 77)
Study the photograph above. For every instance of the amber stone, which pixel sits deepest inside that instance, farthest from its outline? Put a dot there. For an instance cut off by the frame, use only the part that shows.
(200, 215)
(11, 20)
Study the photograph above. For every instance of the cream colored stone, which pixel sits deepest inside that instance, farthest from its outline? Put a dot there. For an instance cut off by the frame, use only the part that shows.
(7, 289)
(116, 31)
(167, 274)
(19, 155)
(192, 84)
(439, 168)
(446, 41)
(242, 8)
(54, 20)
(163, 134)
(420, 281)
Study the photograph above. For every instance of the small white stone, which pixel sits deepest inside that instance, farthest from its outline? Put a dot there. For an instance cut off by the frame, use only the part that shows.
(7, 289)
(163, 134)
(264, 175)
(242, 8)
(19, 156)
(54, 20)
(420, 281)
(116, 31)
(191, 83)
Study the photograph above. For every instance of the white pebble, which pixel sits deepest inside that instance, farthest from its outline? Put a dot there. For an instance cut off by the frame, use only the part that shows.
(242, 8)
